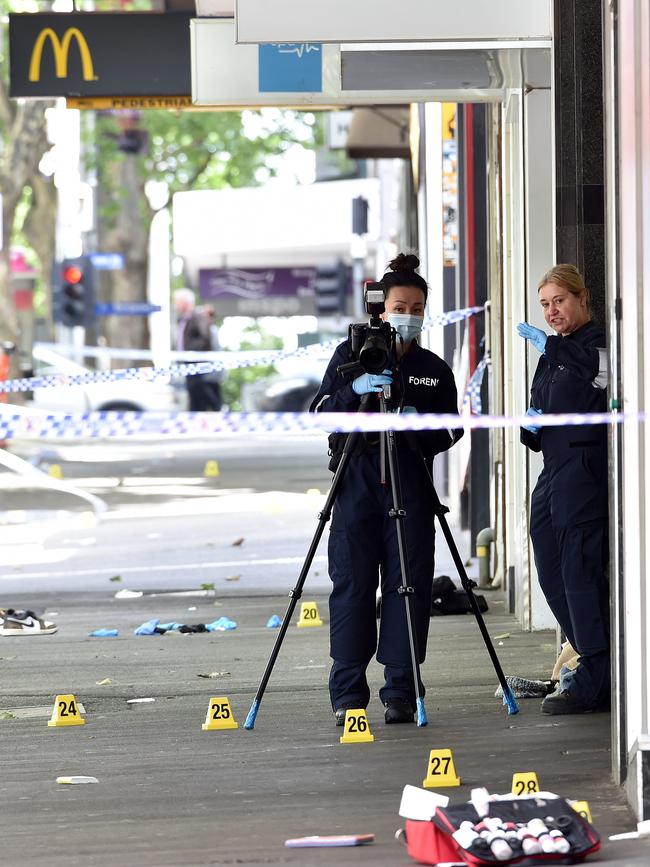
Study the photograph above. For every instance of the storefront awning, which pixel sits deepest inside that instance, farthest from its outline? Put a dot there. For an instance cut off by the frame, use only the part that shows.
(381, 132)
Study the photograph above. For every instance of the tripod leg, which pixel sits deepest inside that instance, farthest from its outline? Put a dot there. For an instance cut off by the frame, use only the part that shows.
(441, 511)
(399, 513)
(296, 593)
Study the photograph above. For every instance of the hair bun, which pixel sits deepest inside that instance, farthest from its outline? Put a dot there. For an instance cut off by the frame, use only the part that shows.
(404, 262)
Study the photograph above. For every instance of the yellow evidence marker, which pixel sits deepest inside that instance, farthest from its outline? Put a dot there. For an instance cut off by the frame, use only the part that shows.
(357, 730)
(55, 471)
(219, 715)
(525, 783)
(582, 807)
(309, 615)
(441, 772)
(65, 712)
(211, 470)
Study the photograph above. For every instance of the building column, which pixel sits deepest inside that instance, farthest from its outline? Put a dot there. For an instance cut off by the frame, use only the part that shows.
(579, 153)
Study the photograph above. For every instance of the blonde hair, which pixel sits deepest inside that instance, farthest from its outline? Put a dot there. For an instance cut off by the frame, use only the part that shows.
(569, 278)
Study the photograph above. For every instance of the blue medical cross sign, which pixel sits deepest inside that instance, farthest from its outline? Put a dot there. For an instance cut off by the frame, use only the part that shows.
(291, 67)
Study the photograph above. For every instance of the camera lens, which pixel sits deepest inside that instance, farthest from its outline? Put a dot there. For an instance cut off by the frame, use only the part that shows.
(374, 354)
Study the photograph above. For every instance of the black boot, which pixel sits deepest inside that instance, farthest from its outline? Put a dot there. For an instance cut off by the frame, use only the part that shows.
(562, 702)
(399, 710)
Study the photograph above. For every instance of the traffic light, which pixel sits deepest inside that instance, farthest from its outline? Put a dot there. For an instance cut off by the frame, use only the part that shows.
(331, 289)
(359, 216)
(74, 292)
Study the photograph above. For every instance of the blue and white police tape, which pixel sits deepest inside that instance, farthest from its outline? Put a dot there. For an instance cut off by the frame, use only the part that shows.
(472, 396)
(19, 423)
(146, 374)
(452, 316)
(231, 361)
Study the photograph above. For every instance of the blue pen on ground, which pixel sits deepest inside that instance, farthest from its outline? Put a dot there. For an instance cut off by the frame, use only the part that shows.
(317, 842)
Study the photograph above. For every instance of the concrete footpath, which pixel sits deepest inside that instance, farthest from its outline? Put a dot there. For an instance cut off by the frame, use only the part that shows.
(171, 794)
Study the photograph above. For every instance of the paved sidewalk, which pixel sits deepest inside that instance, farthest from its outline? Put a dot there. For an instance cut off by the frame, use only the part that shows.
(171, 794)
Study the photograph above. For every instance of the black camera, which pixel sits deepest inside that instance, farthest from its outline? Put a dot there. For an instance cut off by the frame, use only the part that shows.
(372, 342)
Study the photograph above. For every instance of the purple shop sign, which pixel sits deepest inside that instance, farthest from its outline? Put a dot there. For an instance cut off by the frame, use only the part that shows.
(259, 291)
(255, 283)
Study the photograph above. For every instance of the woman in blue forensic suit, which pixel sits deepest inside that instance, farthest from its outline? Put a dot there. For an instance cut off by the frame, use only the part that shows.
(568, 521)
(363, 538)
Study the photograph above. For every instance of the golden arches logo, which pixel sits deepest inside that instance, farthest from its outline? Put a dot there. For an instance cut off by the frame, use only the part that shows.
(61, 50)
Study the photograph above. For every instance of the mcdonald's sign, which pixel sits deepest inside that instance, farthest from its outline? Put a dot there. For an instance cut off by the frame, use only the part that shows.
(60, 49)
(100, 54)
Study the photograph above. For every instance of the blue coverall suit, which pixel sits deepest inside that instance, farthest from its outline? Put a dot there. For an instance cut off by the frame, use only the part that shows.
(363, 538)
(568, 522)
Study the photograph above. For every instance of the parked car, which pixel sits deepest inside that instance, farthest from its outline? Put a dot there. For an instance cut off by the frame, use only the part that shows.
(289, 394)
(295, 385)
(120, 395)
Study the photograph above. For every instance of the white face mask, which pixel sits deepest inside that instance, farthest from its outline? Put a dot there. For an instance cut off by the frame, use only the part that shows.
(406, 325)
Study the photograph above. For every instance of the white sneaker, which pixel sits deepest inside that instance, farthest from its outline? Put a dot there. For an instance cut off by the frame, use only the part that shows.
(24, 623)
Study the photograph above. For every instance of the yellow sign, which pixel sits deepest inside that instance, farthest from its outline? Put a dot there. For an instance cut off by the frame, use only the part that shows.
(103, 103)
(61, 50)
(66, 712)
(219, 715)
(441, 772)
(449, 120)
(582, 807)
(357, 730)
(525, 783)
(309, 615)
(211, 469)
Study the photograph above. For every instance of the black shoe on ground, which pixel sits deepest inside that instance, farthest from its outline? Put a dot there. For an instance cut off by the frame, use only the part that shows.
(562, 702)
(339, 713)
(399, 710)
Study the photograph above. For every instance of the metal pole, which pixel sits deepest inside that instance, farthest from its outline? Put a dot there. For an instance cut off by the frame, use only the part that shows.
(468, 585)
(398, 512)
(296, 593)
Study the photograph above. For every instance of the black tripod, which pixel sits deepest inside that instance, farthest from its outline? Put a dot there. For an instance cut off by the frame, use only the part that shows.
(440, 512)
(388, 447)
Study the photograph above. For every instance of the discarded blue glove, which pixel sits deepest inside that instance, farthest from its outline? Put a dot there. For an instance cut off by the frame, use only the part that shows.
(104, 633)
(274, 622)
(170, 627)
(221, 625)
(533, 428)
(369, 382)
(535, 335)
(148, 628)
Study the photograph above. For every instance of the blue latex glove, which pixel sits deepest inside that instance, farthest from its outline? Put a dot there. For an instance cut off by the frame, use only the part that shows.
(147, 628)
(536, 336)
(368, 382)
(533, 428)
(223, 624)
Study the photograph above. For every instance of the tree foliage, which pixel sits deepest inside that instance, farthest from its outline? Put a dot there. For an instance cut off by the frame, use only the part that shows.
(181, 150)
(23, 141)
(253, 337)
(200, 149)
(185, 150)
